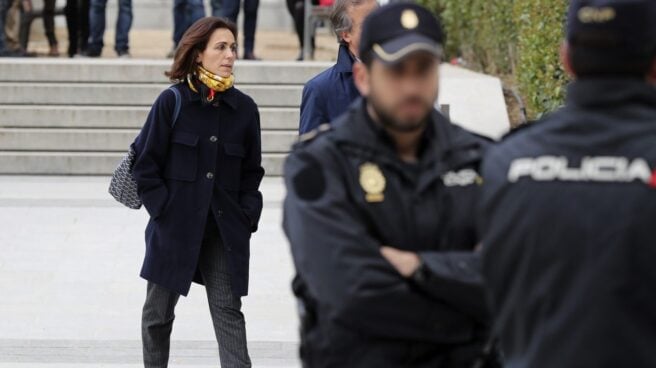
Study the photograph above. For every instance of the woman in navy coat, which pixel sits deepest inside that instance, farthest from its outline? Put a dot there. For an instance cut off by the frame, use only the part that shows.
(198, 176)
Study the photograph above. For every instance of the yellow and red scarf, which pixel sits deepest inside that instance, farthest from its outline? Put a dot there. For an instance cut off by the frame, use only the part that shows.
(214, 82)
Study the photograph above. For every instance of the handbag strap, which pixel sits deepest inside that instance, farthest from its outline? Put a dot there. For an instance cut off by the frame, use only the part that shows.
(176, 113)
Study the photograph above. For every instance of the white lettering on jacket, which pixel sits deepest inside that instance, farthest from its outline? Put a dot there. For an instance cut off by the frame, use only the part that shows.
(594, 169)
(460, 178)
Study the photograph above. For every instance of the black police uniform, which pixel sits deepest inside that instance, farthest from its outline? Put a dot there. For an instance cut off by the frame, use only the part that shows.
(348, 194)
(569, 207)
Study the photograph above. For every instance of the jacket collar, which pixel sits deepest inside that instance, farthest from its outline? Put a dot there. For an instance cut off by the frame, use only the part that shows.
(446, 148)
(229, 97)
(362, 132)
(592, 92)
(344, 60)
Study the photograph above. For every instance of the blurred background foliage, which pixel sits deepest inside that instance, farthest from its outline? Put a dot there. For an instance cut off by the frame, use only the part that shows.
(517, 40)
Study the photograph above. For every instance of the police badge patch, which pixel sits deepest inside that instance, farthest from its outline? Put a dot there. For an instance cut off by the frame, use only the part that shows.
(373, 182)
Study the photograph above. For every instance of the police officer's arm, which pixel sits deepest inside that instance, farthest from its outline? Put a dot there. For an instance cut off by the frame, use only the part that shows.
(454, 277)
(341, 264)
(250, 197)
(313, 109)
(151, 147)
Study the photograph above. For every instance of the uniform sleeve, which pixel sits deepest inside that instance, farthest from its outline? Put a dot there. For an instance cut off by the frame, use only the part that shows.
(341, 264)
(250, 197)
(313, 109)
(151, 148)
(455, 278)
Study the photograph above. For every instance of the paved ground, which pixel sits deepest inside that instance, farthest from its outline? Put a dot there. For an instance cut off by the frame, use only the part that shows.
(71, 294)
(155, 44)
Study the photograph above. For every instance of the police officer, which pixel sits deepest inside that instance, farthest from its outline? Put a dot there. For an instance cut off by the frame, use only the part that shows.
(570, 202)
(390, 172)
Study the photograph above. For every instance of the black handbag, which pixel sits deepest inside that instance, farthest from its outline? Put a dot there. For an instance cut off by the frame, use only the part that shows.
(123, 187)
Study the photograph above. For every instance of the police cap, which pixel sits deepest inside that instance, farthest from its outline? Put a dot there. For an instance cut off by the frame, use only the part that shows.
(612, 36)
(396, 30)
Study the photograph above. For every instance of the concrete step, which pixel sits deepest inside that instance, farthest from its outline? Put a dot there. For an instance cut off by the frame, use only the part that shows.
(77, 117)
(59, 353)
(44, 116)
(110, 140)
(147, 71)
(88, 163)
(127, 94)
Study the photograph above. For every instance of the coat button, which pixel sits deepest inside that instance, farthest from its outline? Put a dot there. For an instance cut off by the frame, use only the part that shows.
(213, 139)
(210, 175)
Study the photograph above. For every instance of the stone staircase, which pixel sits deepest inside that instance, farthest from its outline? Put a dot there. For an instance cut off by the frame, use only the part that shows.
(77, 117)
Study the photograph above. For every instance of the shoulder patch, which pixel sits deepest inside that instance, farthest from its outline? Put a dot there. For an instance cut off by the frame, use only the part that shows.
(309, 182)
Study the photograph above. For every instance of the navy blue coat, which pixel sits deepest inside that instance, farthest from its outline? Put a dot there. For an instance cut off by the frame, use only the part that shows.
(209, 161)
(329, 94)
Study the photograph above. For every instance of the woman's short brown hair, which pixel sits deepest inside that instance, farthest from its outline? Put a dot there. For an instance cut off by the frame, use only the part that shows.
(193, 42)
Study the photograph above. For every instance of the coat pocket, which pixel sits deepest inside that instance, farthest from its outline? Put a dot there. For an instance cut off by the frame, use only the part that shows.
(182, 162)
(230, 170)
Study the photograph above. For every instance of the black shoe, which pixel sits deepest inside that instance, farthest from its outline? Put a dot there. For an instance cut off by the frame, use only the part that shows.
(123, 54)
(90, 54)
(17, 53)
(250, 56)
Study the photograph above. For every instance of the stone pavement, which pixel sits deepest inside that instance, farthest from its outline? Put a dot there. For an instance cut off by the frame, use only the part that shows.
(156, 43)
(71, 295)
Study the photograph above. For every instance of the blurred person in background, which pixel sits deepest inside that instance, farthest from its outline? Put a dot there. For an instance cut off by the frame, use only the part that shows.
(97, 20)
(185, 13)
(329, 94)
(49, 26)
(230, 10)
(77, 22)
(296, 9)
(12, 25)
(216, 7)
(10, 14)
(5, 51)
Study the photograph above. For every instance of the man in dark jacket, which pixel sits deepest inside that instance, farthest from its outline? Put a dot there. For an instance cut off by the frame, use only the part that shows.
(391, 172)
(570, 202)
(329, 94)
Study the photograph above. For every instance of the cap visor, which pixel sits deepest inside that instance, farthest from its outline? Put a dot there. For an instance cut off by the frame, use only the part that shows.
(395, 50)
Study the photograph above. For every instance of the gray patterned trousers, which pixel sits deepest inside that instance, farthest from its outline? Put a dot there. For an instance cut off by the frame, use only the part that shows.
(225, 308)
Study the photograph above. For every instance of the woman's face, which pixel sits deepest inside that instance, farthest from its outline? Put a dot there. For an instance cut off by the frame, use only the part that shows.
(220, 54)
